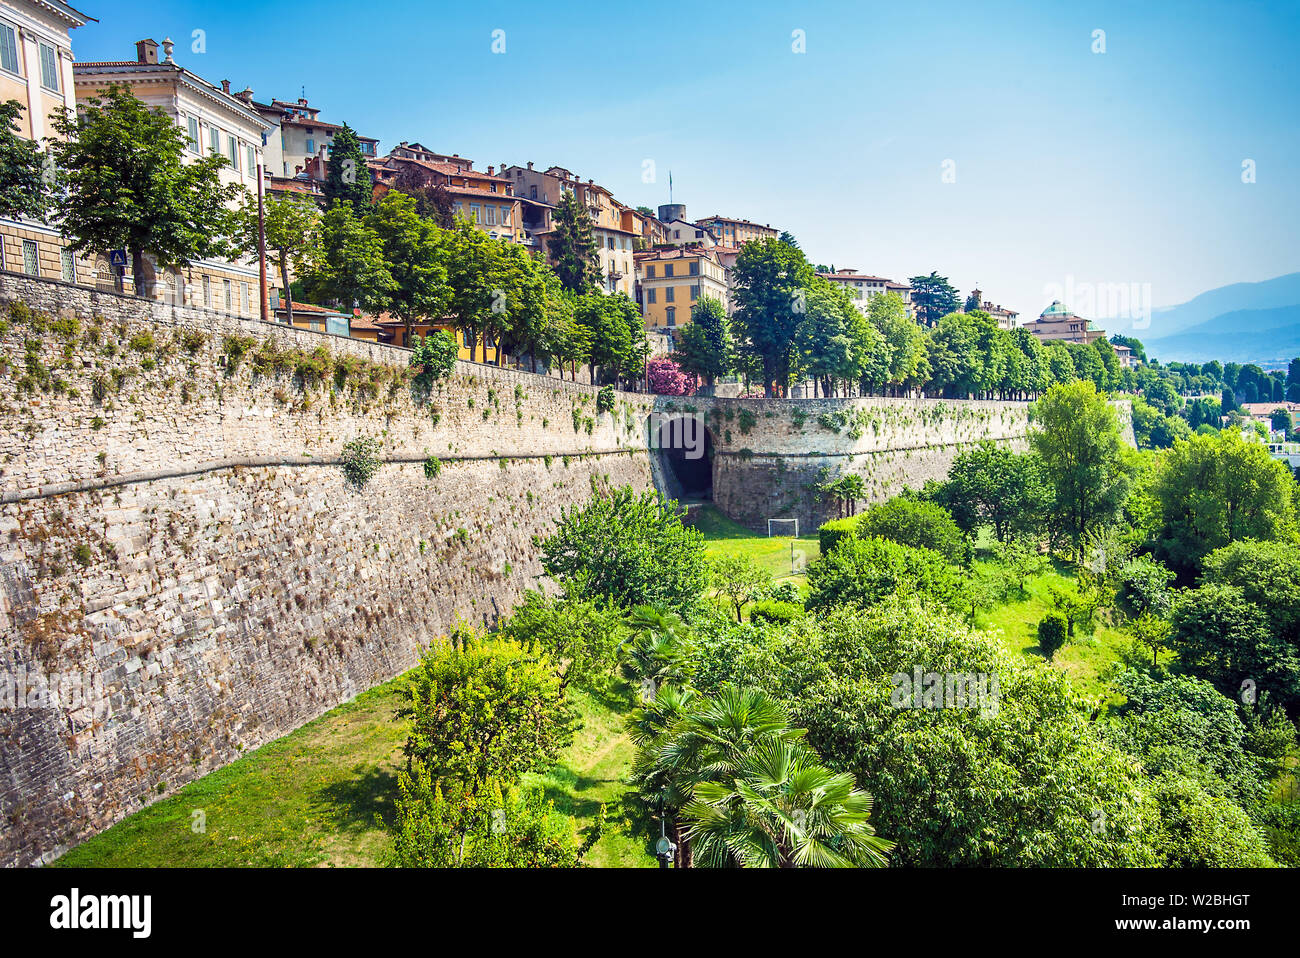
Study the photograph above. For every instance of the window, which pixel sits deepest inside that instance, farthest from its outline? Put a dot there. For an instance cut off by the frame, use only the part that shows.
(491, 213)
(668, 293)
(207, 291)
(69, 265)
(650, 295)
(695, 267)
(695, 291)
(672, 313)
(31, 260)
(465, 337)
(474, 213)
(245, 305)
(230, 296)
(49, 68)
(8, 48)
(650, 271)
(251, 156)
(232, 153)
(311, 146)
(193, 123)
(214, 139)
(668, 269)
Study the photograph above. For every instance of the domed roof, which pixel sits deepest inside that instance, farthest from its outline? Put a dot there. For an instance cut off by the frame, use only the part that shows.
(1056, 309)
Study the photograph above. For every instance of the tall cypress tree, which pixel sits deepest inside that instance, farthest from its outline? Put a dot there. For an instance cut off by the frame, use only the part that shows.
(572, 246)
(347, 177)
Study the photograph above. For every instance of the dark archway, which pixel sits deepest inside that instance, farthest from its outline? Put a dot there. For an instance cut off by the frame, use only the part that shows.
(686, 449)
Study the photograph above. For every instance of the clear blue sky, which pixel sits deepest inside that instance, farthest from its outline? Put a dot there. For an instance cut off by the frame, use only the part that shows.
(1120, 167)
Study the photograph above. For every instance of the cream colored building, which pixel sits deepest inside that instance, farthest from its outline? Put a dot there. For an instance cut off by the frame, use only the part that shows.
(1059, 323)
(214, 121)
(862, 287)
(36, 70)
(732, 232)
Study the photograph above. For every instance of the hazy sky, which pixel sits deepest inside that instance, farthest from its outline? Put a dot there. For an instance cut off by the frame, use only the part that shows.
(1071, 167)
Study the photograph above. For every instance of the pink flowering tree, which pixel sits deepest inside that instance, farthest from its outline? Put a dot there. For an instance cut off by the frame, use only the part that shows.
(667, 379)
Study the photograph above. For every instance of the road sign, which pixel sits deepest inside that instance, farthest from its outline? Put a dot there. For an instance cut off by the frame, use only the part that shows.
(117, 257)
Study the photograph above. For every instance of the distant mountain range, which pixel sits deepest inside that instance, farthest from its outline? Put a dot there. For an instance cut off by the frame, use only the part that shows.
(1242, 323)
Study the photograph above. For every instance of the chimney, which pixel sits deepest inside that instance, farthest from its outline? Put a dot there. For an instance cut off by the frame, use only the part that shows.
(246, 94)
(225, 86)
(491, 170)
(530, 164)
(146, 51)
(302, 101)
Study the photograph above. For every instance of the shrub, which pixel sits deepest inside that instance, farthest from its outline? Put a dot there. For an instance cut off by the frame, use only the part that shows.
(605, 399)
(832, 533)
(922, 525)
(1051, 633)
(434, 355)
(770, 610)
(432, 466)
(360, 461)
(861, 572)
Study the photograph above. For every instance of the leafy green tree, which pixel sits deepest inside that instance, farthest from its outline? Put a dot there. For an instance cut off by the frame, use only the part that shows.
(1215, 490)
(350, 268)
(609, 334)
(913, 522)
(23, 187)
(1203, 830)
(347, 176)
(1076, 435)
(1059, 363)
(292, 226)
(991, 485)
(903, 362)
(580, 635)
(573, 247)
(1028, 771)
(771, 280)
(1225, 639)
(705, 347)
(934, 297)
(739, 579)
(629, 548)
(479, 298)
(829, 338)
(1144, 588)
(1154, 430)
(413, 254)
(484, 708)
(123, 183)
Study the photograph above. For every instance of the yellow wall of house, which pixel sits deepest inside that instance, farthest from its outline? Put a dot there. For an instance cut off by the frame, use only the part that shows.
(711, 281)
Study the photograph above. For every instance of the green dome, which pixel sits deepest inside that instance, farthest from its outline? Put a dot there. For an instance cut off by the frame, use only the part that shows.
(1056, 309)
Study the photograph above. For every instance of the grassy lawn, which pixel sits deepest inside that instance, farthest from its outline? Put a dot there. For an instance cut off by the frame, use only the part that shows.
(1083, 659)
(725, 537)
(312, 797)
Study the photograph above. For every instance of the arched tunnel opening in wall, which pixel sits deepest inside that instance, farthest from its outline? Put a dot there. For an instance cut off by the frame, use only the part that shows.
(686, 450)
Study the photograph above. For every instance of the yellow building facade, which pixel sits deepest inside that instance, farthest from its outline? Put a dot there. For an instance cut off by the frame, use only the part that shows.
(671, 281)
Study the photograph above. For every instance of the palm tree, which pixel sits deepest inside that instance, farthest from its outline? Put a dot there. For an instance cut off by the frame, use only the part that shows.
(657, 646)
(663, 789)
(783, 809)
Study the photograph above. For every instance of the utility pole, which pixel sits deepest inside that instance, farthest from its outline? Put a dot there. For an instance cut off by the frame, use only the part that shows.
(263, 296)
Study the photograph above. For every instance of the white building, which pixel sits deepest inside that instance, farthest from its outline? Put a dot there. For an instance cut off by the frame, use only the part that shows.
(215, 121)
